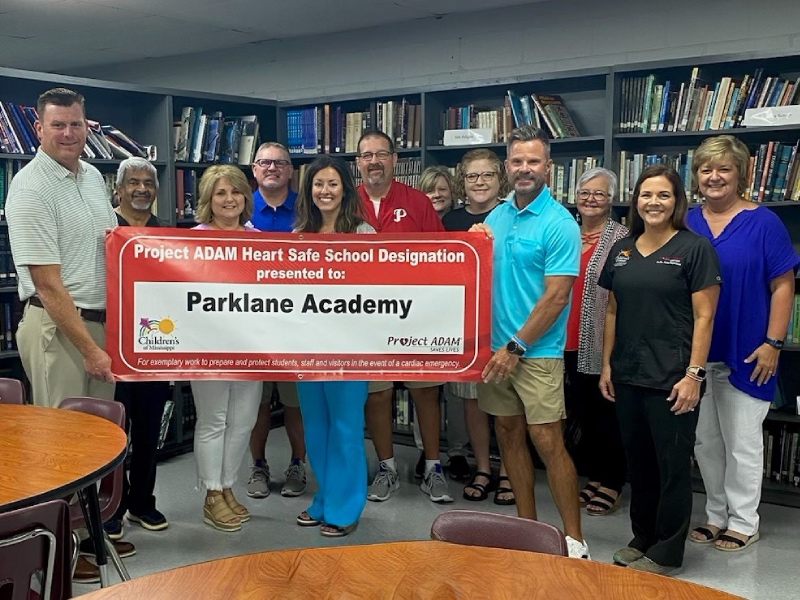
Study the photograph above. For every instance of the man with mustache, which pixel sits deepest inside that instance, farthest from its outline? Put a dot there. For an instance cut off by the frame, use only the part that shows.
(137, 190)
(393, 207)
(537, 248)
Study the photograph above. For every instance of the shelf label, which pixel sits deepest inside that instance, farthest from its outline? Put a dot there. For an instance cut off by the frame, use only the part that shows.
(468, 137)
(772, 116)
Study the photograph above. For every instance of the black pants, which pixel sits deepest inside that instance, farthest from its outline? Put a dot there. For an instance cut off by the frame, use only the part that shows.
(658, 444)
(601, 444)
(144, 405)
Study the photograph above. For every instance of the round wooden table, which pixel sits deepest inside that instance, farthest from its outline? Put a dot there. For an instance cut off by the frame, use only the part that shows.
(398, 570)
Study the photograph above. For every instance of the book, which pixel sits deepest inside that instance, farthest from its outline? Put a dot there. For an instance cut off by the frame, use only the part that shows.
(229, 142)
(248, 139)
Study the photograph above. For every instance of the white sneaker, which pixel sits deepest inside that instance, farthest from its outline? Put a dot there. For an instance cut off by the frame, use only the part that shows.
(578, 549)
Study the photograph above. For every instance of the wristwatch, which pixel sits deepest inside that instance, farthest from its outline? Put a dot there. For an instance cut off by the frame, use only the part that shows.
(514, 348)
(777, 344)
(697, 372)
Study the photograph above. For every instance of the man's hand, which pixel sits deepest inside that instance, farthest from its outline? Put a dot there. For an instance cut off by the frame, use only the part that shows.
(499, 366)
(98, 366)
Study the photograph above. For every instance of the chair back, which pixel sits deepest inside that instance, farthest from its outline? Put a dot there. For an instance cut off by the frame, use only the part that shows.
(11, 391)
(110, 493)
(36, 539)
(475, 528)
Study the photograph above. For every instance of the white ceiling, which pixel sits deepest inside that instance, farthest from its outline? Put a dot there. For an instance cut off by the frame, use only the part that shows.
(61, 35)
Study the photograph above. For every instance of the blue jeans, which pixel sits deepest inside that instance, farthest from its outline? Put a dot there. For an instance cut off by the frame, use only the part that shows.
(333, 417)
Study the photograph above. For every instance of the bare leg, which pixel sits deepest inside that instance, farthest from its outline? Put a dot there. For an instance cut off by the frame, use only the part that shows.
(293, 420)
(379, 422)
(258, 437)
(549, 441)
(426, 405)
(511, 435)
(479, 433)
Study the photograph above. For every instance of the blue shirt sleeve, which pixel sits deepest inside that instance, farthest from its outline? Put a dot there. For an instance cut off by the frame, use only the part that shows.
(563, 249)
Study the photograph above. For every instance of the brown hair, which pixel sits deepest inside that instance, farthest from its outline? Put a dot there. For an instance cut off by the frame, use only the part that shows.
(678, 220)
(481, 154)
(60, 97)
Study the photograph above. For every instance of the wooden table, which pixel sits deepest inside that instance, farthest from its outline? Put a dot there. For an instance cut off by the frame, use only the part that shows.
(50, 453)
(419, 570)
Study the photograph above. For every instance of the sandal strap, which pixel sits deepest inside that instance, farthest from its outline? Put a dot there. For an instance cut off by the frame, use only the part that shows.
(220, 511)
(503, 490)
(705, 532)
(724, 537)
(602, 498)
(477, 486)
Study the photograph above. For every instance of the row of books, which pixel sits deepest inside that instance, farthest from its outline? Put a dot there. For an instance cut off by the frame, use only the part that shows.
(185, 193)
(10, 312)
(773, 176)
(548, 112)
(781, 456)
(648, 106)
(18, 136)
(499, 120)
(564, 177)
(8, 168)
(8, 272)
(326, 129)
(793, 333)
(199, 137)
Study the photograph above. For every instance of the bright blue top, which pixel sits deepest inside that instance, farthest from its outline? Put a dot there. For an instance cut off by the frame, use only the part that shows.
(753, 249)
(266, 218)
(541, 240)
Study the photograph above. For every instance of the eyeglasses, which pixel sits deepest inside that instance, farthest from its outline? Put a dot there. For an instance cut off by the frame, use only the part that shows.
(266, 163)
(485, 176)
(380, 154)
(596, 194)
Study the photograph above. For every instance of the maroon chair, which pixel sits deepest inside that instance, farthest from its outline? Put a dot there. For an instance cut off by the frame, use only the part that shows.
(475, 528)
(110, 492)
(35, 540)
(11, 391)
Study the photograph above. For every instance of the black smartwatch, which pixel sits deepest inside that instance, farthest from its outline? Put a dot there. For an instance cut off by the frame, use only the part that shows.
(514, 348)
(697, 372)
(777, 344)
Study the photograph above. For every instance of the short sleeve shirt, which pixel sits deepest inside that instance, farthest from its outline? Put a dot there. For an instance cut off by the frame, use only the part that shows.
(655, 319)
(461, 219)
(541, 240)
(403, 210)
(266, 218)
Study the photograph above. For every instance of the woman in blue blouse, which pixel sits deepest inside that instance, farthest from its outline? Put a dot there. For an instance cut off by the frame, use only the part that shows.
(758, 265)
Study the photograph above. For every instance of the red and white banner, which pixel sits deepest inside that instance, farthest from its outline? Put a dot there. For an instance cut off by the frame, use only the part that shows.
(185, 304)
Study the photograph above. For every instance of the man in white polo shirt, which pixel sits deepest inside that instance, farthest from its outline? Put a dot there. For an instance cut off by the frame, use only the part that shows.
(58, 212)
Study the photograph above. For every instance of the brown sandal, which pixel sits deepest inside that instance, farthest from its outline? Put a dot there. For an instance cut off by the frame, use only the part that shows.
(219, 515)
(238, 509)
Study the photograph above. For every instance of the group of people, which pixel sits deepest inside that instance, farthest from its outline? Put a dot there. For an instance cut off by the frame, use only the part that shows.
(669, 345)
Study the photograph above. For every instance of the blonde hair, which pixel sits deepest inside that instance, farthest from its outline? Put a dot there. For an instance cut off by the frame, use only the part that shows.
(720, 149)
(481, 154)
(427, 181)
(208, 182)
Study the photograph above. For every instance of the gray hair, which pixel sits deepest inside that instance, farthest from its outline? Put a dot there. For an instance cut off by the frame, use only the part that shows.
(274, 145)
(610, 177)
(529, 133)
(135, 163)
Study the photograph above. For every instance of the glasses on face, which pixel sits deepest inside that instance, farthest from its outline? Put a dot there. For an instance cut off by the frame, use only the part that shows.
(596, 194)
(266, 163)
(380, 155)
(486, 176)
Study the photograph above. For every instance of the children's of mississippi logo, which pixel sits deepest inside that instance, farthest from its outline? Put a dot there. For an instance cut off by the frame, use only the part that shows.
(157, 334)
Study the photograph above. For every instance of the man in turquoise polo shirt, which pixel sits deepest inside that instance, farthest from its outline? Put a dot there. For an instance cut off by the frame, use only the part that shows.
(537, 247)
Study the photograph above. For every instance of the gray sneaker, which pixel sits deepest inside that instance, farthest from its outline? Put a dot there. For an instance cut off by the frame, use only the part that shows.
(648, 566)
(385, 483)
(258, 484)
(295, 480)
(435, 485)
(627, 555)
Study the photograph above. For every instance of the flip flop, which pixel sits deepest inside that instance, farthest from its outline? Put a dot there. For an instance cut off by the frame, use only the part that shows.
(708, 535)
(740, 544)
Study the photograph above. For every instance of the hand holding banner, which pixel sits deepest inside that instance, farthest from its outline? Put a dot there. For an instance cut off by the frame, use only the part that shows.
(186, 304)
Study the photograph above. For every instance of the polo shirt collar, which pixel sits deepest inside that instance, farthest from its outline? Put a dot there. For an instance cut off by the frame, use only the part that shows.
(288, 204)
(56, 168)
(536, 206)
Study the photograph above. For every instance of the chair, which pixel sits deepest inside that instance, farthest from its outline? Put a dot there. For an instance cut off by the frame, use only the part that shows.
(110, 493)
(32, 540)
(475, 528)
(11, 391)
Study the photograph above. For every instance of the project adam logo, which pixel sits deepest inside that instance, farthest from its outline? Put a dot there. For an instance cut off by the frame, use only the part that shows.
(157, 334)
(432, 343)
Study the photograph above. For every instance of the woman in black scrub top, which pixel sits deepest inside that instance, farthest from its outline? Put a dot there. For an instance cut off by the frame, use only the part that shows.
(664, 284)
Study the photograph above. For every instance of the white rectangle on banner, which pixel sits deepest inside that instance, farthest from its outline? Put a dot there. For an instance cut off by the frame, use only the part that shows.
(248, 318)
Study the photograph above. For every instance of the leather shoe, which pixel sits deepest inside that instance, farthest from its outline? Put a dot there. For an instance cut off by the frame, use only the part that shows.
(85, 572)
(124, 549)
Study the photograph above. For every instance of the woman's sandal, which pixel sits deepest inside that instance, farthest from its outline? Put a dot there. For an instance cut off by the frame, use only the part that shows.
(503, 489)
(329, 530)
(306, 520)
(219, 515)
(603, 503)
(588, 492)
(240, 510)
(741, 544)
(483, 489)
(709, 536)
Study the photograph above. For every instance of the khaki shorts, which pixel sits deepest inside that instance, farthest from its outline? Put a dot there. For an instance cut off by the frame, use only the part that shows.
(535, 389)
(287, 390)
(382, 386)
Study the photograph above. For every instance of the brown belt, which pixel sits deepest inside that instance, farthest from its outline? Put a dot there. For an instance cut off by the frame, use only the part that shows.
(88, 314)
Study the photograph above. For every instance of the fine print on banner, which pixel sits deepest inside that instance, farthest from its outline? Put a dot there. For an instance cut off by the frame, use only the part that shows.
(238, 305)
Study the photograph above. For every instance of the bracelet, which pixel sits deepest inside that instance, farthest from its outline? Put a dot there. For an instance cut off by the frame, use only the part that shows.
(520, 343)
(695, 377)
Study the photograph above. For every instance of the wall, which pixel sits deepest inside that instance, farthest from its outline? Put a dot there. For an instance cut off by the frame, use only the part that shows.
(539, 38)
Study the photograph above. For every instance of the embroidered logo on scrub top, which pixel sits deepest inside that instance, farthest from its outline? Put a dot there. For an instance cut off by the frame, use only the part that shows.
(670, 260)
(622, 258)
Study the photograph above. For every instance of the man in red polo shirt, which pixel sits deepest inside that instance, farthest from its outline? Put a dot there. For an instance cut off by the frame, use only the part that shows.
(393, 207)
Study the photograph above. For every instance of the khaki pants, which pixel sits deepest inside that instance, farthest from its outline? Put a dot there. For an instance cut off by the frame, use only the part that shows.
(53, 364)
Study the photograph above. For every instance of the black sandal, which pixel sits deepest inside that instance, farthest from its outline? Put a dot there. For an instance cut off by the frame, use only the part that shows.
(502, 489)
(588, 492)
(482, 489)
(603, 504)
